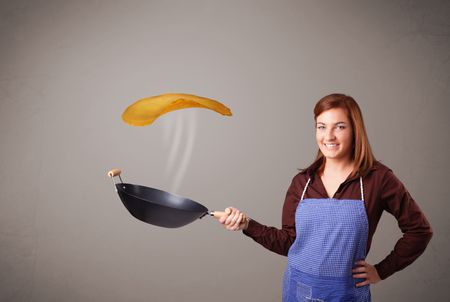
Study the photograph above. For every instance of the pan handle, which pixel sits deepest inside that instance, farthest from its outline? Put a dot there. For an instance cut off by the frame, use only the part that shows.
(219, 214)
(114, 172)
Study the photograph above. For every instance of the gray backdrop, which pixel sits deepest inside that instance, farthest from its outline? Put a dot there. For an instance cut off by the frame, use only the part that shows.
(69, 69)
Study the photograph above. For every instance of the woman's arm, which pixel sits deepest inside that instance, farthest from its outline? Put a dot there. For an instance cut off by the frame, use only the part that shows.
(416, 229)
(274, 239)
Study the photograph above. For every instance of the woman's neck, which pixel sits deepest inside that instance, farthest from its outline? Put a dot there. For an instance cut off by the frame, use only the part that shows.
(338, 167)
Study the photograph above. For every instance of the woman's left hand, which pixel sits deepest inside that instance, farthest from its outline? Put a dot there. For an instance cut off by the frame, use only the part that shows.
(366, 271)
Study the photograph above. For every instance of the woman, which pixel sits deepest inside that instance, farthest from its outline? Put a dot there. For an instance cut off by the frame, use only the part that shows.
(331, 211)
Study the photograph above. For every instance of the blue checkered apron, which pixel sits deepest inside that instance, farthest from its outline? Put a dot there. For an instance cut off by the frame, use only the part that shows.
(331, 237)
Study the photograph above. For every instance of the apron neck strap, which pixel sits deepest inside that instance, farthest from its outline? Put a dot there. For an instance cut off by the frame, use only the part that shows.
(304, 190)
(362, 188)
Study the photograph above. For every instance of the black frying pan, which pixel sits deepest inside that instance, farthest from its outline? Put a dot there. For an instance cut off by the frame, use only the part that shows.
(158, 207)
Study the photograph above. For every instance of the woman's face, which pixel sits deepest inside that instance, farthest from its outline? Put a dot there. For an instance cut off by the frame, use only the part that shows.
(334, 134)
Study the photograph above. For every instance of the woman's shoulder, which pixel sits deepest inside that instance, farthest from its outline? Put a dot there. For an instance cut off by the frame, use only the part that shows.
(382, 173)
(380, 167)
(300, 179)
(301, 176)
(311, 170)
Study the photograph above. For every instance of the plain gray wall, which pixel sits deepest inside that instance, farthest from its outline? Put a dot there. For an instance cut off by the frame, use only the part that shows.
(69, 69)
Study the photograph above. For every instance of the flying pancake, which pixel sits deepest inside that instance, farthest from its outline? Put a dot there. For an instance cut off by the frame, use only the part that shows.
(145, 111)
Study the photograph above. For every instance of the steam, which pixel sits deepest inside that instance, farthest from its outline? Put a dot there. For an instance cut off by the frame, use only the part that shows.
(179, 137)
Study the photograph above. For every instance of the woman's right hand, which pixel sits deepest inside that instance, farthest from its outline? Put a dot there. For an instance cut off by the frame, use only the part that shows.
(234, 220)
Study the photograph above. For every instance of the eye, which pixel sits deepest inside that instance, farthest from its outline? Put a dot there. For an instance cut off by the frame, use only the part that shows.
(340, 127)
(320, 127)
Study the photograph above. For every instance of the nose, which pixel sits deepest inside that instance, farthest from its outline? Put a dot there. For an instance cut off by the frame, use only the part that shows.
(329, 135)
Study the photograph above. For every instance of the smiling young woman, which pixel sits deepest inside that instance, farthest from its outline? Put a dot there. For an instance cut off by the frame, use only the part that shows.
(331, 212)
(344, 148)
(361, 153)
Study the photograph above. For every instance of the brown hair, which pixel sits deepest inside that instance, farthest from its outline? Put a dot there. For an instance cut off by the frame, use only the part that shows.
(361, 152)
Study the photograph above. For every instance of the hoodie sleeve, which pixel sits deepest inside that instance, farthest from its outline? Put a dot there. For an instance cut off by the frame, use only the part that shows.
(416, 229)
(274, 239)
